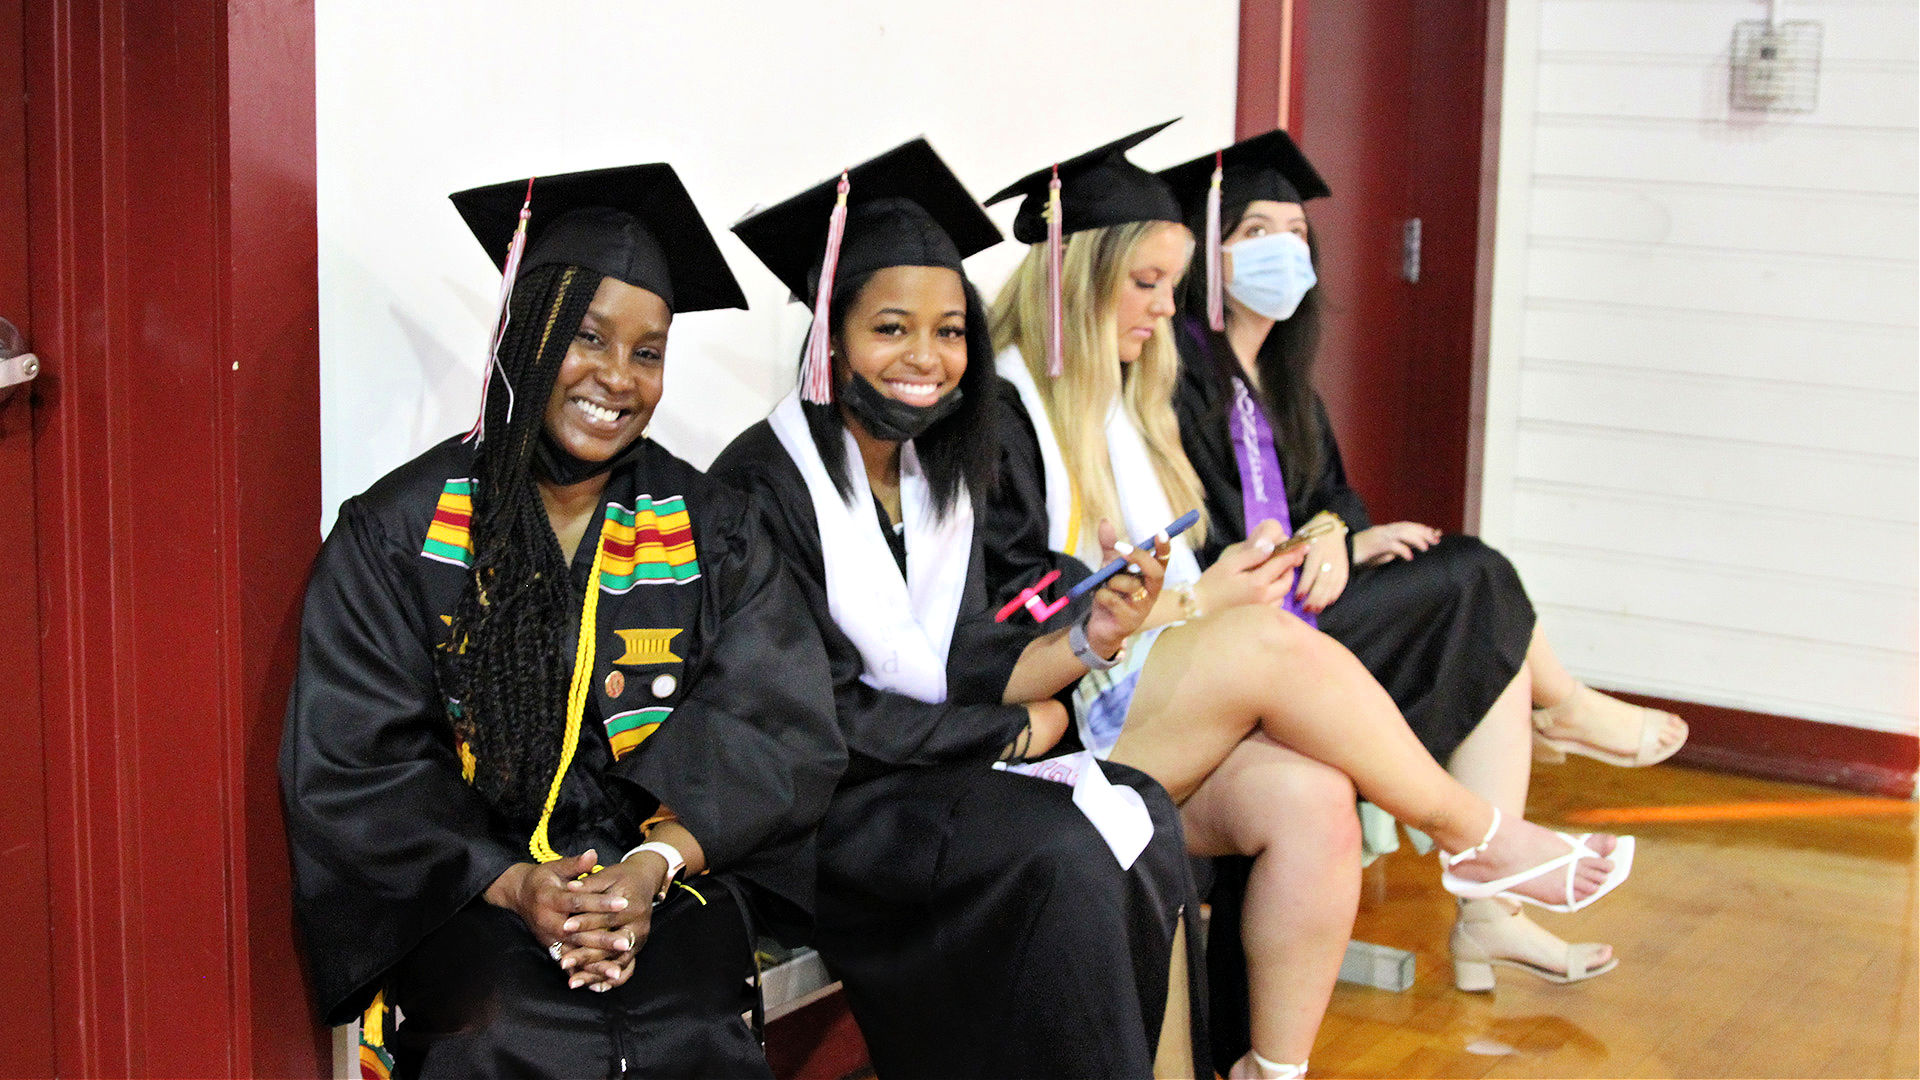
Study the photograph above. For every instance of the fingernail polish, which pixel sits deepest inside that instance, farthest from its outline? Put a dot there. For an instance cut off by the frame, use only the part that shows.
(1123, 547)
(575, 984)
(1161, 537)
(619, 903)
(570, 926)
(1133, 569)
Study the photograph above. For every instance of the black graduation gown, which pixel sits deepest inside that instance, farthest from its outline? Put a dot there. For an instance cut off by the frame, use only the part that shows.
(392, 850)
(979, 923)
(1444, 632)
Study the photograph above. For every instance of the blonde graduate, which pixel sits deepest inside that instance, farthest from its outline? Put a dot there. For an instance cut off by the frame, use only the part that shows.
(1259, 726)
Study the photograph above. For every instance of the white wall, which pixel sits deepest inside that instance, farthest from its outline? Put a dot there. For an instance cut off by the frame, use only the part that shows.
(750, 101)
(1701, 428)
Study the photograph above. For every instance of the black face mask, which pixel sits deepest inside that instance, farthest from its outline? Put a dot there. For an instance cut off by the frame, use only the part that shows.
(552, 462)
(890, 418)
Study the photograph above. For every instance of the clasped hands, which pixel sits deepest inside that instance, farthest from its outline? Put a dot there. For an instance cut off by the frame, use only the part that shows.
(599, 921)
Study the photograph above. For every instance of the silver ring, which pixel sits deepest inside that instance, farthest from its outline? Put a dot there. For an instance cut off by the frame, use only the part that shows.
(1326, 568)
(554, 951)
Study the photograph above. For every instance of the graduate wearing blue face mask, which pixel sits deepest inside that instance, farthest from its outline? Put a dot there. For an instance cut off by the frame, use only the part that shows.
(1270, 273)
(1443, 623)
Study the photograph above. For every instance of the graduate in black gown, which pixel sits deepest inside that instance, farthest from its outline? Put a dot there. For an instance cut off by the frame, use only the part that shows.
(534, 769)
(1442, 622)
(982, 925)
(1260, 727)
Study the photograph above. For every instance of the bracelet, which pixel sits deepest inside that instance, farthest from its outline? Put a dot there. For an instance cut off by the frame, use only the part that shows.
(1083, 649)
(675, 863)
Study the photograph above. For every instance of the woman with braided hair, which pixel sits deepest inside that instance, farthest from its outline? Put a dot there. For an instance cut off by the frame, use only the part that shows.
(532, 779)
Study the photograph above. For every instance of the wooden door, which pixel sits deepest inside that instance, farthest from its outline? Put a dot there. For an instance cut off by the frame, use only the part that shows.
(26, 966)
(1388, 99)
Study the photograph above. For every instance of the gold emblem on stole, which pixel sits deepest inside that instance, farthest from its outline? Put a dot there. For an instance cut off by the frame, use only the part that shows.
(647, 646)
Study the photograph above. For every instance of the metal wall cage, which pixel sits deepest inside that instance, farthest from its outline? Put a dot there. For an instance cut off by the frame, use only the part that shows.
(1776, 66)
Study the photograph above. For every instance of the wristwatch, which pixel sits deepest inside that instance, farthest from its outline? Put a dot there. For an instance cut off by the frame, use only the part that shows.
(675, 864)
(1083, 650)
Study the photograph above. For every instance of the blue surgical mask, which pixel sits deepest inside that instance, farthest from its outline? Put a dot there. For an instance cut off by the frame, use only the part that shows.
(1271, 274)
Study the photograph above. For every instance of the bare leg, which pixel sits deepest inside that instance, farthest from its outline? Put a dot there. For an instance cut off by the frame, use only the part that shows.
(1495, 761)
(1295, 816)
(1568, 710)
(1173, 1058)
(1208, 684)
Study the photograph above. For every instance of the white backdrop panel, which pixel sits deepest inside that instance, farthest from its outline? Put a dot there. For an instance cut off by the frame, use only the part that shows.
(750, 101)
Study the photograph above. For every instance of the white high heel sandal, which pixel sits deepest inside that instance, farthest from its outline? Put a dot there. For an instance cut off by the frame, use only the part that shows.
(1480, 890)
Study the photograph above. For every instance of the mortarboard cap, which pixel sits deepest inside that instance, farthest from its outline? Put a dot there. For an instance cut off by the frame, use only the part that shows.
(1268, 166)
(1097, 188)
(635, 223)
(904, 208)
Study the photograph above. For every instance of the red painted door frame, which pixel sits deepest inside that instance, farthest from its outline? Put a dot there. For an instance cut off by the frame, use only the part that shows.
(172, 247)
(1396, 102)
(26, 934)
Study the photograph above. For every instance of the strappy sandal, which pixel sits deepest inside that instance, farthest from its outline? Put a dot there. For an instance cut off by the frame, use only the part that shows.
(1486, 933)
(1551, 750)
(1622, 858)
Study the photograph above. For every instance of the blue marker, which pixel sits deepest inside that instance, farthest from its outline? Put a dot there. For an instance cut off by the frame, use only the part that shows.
(1182, 524)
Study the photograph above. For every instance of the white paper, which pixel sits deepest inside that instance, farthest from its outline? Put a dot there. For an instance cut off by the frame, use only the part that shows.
(1116, 810)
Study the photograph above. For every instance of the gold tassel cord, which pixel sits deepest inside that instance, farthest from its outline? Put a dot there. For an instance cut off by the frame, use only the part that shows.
(541, 847)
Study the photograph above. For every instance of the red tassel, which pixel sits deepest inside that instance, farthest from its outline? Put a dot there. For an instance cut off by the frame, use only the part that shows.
(1056, 253)
(1216, 303)
(816, 371)
(515, 248)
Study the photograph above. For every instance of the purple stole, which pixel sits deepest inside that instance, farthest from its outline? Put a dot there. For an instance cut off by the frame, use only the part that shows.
(1263, 490)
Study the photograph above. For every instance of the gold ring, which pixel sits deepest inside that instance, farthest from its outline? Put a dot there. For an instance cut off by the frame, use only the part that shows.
(1140, 593)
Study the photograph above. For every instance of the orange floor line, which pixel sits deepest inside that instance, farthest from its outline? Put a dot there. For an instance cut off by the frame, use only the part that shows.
(1743, 811)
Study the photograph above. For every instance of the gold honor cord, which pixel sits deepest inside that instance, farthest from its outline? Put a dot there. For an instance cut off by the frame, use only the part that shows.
(576, 707)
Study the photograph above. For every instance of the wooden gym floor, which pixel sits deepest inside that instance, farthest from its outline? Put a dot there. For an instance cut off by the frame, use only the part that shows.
(1769, 932)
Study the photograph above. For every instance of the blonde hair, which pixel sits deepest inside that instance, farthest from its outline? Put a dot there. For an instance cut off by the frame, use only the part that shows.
(1093, 270)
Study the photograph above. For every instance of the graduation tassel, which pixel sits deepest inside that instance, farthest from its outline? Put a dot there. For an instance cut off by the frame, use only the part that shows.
(816, 371)
(1056, 253)
(1216, 303)
(516, 248)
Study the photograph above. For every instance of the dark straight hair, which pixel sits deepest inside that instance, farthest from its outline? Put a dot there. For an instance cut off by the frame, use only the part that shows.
(1285, 360)
(965, 445)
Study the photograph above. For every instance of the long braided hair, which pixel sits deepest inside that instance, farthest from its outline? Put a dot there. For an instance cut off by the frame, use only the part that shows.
(507, 677)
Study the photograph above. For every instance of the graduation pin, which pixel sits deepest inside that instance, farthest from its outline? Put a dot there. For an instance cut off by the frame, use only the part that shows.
(616, 684)
(663, 685)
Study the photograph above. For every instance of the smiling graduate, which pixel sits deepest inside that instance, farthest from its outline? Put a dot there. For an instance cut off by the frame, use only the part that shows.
(980, 921)
(532, 770)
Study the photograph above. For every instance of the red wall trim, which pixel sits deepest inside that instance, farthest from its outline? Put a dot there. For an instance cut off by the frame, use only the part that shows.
(1786, 748)
(171, 171)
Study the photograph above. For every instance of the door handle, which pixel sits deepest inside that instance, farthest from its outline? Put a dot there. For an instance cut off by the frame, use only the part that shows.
(17, 365)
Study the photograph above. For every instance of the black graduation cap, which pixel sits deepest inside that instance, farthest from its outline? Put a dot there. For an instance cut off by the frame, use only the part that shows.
(635, 223)
(1268, 166)
(904, 208)
(1097, 188)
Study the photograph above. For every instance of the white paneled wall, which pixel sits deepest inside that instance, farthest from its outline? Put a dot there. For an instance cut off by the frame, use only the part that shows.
(1704, 383)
